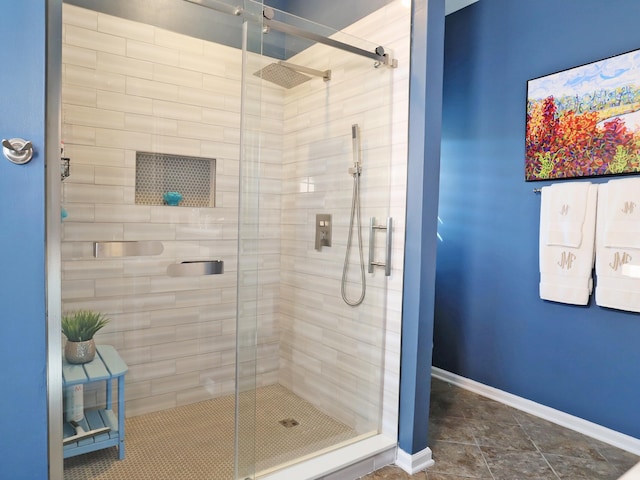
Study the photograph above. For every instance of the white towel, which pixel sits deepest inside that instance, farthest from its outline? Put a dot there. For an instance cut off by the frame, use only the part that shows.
(617, 264)
(623, 214)
(566, 270)
(567, 208)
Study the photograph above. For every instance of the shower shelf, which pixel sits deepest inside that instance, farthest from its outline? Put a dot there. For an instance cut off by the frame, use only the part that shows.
(107, 367)
(160, 173)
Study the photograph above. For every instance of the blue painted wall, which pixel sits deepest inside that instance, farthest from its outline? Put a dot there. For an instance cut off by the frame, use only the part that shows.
(490, 324)
(23, 402)
(425, 106)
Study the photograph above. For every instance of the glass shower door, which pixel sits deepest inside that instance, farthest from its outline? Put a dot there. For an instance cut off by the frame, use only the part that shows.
(316, 362)
(151, 124)
(248, 287)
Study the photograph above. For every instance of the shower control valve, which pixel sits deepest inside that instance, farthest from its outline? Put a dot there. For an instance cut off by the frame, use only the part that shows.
(323, 230)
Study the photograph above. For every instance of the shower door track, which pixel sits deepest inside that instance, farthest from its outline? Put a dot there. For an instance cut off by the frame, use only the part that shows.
(378, 55)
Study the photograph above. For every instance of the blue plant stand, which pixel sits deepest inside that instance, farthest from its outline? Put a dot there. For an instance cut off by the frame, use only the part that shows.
(107, 366)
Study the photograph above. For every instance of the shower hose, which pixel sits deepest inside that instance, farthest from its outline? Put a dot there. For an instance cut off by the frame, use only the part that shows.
(355, 212)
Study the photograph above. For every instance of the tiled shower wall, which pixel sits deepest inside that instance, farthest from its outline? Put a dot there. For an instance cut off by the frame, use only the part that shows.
(131, 87)
(334, 354)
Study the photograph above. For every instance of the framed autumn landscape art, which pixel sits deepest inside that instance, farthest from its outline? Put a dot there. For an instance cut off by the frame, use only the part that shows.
(585, 121)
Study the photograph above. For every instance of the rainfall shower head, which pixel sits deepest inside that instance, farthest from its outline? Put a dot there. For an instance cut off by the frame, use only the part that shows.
(288, 75)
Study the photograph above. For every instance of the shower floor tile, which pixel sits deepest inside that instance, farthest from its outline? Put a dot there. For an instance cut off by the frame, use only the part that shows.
(196, 442)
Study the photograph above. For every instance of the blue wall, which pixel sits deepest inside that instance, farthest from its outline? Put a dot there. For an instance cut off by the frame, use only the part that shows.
(23, 402)
(490, 324)
(425, 106)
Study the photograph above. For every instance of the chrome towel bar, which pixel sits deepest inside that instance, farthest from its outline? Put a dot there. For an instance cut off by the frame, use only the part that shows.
(127, 249)
(196, 268)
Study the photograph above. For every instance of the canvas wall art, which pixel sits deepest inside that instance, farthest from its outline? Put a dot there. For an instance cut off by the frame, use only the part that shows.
(585, 121)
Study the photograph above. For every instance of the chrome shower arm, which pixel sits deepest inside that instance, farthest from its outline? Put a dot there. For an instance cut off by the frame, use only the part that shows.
(325, 74)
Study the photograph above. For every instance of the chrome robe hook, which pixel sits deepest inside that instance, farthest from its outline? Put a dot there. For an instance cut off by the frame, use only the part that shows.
(17, 150)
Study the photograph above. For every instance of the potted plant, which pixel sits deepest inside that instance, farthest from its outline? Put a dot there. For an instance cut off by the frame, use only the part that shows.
(79, 327)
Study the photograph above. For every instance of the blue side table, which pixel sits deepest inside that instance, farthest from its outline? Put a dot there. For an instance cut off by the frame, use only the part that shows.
(107, 366)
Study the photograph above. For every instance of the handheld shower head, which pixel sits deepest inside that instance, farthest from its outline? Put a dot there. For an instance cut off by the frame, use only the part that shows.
(355, 142)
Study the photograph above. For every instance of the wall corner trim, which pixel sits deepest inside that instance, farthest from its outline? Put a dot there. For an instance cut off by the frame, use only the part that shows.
(416, 462)
(593, 430)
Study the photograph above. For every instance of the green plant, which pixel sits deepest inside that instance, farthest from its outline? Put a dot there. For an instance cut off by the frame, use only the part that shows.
(82, 325)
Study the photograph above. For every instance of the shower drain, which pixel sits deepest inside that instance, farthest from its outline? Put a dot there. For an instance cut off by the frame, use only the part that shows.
(288, 422)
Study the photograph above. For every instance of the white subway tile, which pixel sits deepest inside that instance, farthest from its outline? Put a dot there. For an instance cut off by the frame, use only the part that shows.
(124, 103)
(91, 194)
(200, 131)
(109, 287)
(150, 124)
(101, 42)
(91, 155)
(80, 17)
(77, 289)
(150, 404)
(92, 117)
(75, 95)
(125, 28)
(91, 269)
(176, 145)
(82, 174)
(123, 139)
(91, 78)
(78, 134)
(201, 63)
(131, 67)
(83, 57)
(149, 303)
(178, 41)
(114, 176)
(154, 231)
(203, 98)
(174, 383)
(151, 89)
(176, 76)
(76, 232)
(152, 53)
(177, 111)
(152, 370)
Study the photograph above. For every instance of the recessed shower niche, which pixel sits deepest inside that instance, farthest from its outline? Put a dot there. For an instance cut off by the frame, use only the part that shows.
(159, 173)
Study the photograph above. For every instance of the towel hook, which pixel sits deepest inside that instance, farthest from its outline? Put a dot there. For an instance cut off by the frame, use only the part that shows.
(17, 150)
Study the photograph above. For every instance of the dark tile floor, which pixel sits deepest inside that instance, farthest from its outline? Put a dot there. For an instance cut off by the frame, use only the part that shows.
(473, 437)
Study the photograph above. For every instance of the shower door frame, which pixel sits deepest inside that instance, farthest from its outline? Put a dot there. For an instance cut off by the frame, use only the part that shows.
(53, 238)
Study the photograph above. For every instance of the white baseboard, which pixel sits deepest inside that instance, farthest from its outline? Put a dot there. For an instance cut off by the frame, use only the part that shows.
(416, 462)
(593, 430)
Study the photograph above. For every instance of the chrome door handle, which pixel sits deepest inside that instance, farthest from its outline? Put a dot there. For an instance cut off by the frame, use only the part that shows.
(17, 150)
(388, 228)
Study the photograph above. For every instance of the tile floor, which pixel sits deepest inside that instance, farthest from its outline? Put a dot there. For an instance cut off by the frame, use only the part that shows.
(196, 442)
(473, 437)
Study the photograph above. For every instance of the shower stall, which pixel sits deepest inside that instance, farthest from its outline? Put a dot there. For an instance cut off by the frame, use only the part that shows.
(216, 150)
